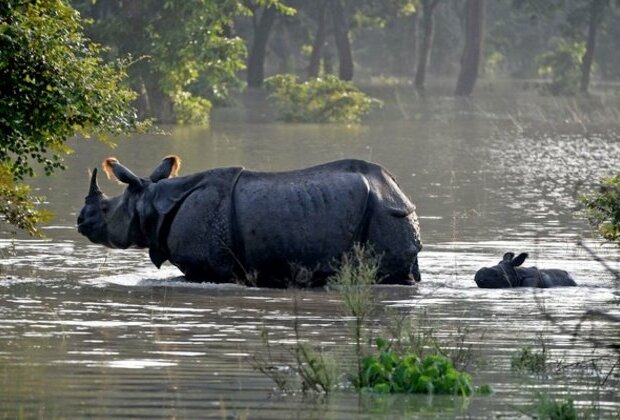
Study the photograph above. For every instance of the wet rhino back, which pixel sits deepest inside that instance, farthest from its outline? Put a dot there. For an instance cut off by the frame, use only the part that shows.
(298, 217)
(534, 277)
(555, 278)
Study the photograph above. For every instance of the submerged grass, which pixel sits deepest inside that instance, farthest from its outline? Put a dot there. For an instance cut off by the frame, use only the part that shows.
(547, 407)
(555, 409)
(529, 361)
(357, 273)
(419, 335)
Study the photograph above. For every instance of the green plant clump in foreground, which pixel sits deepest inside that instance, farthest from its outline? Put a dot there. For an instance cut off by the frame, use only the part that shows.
(322, 100)
(552, 409)
(388, 372)
(525, 360)
(603, 208)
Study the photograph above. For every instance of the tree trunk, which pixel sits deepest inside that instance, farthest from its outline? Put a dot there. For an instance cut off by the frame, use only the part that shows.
(474, 35)
(281, 47)
(160, 105)
(596, 13)
(410, 64)
(343, 45)
(314, 66)
(256, 59)
(428, 6)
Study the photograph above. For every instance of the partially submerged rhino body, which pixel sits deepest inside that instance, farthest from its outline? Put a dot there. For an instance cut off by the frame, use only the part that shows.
(508, 274)
(224, 223)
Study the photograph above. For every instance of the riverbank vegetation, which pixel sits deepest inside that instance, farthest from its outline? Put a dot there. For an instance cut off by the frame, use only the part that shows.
(602, 208)
(319, 100)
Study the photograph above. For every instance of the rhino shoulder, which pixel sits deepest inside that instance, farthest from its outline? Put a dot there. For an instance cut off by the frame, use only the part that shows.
(163, 199)
(169, 193)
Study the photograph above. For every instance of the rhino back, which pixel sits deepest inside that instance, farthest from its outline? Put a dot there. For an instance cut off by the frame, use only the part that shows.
(305, 217)
(544, 278)
(556, 278)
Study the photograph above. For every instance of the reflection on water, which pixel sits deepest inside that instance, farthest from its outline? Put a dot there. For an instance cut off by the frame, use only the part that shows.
(86, 331)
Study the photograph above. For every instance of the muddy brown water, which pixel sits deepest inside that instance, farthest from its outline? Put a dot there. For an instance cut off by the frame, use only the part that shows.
(86, 331)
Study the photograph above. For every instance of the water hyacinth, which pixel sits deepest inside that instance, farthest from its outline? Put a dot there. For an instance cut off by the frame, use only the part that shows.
(389, 372)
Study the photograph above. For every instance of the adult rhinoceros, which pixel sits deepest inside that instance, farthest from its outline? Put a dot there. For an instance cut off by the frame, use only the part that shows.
(223, 223)
(508, 274)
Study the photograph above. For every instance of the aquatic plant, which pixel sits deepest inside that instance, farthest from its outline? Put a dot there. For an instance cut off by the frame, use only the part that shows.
(555, 409)
(526, 360)
(389, 372)
(324, 100)
(353, 280)
(602, 208)
(317, 370)
(409, 333)
(266, 364)
(393, 368)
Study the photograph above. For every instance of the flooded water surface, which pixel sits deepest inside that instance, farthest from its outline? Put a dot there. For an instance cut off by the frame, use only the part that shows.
(86, 331)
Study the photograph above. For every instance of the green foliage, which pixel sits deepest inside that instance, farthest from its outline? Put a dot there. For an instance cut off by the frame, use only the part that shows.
(526, 360)
(603, 208)
(388, 372)
(563, 67)
(191, 109)
(18, 207)
(188, 57)
(322, 100)
(54, 84)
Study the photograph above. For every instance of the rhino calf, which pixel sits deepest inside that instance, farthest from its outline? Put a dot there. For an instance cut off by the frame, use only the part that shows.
(221, 224)
(508, 274)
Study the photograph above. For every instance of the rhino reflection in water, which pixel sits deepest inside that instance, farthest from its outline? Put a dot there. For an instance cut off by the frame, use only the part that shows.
(508, 274)
(223, 223)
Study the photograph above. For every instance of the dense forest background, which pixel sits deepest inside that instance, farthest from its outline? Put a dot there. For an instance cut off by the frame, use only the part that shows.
(115, 66)
(189, 55)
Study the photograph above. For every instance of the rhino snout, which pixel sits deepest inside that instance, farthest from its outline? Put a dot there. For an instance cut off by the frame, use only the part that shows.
(484, 277)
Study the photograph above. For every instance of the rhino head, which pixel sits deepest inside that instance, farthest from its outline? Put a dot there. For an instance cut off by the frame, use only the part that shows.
(504, 274)
(114, 221)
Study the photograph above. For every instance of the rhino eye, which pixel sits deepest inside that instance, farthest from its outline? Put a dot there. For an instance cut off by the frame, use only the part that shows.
(104, 207)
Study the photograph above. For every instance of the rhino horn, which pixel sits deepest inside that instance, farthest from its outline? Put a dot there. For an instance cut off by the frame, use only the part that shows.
(94, 191)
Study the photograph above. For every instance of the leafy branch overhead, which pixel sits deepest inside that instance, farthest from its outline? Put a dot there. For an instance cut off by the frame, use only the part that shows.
(54, 84)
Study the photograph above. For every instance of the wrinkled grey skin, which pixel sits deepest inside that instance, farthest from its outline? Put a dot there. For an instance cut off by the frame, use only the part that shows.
(225, 223)
(508, 274)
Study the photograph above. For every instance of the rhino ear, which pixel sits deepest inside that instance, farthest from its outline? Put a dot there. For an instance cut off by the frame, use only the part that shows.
(169, 166)
(519, 259)
(112, 166)
(508, 257)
